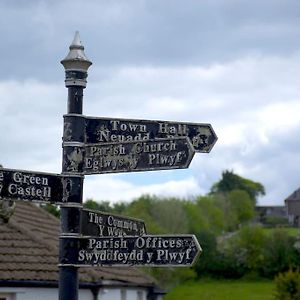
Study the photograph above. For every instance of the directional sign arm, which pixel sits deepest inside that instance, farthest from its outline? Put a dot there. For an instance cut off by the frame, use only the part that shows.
(106, 130)
(147, 250)
(97, 223)
(162, 154)
(20, 185)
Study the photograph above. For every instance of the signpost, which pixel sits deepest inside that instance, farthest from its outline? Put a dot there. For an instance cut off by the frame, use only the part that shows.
(96, 223)
(147, 250)
(108, 145)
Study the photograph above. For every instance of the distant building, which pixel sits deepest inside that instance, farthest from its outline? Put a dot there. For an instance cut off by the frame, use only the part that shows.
(292, 204)
(29, 264)
(265, 214)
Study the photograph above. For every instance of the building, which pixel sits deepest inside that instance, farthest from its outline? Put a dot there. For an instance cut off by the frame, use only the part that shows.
(267, 214)
(292, 204)
(29, 264)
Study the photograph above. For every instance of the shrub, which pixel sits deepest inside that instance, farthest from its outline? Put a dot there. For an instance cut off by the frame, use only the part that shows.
(278, 253)
(273, 221)
(288, 285)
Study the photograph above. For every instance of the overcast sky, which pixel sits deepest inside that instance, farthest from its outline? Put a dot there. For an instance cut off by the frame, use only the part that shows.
(233, 64)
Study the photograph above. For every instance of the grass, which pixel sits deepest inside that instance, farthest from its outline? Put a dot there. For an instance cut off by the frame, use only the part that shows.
(223, 290)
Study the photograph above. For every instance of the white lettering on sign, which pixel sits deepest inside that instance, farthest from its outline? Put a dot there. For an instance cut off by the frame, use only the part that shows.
(131, 127)
(138, 156)
(25, 185)
(16, 190)
(112, 225)
(146, 250)
(29, 179)
(179, 129)
(156, 147)
(165, 160)
(107, 244)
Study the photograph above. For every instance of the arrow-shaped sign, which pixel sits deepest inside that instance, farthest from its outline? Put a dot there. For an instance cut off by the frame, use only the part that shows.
(96, 223)
(147, 250)
(163, 154)
(107, 130)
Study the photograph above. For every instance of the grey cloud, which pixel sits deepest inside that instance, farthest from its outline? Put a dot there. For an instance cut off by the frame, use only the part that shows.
(36, 34)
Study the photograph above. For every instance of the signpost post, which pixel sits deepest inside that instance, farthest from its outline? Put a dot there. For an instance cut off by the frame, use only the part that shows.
(108, 145)
(76, 65)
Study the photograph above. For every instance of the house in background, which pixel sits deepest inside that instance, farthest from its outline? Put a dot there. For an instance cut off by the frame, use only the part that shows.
(292, 204)
(29, 264)
(288, 214)
(268, 214)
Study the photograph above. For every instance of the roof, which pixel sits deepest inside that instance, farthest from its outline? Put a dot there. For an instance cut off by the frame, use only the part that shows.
(29, 252)
(294, 196)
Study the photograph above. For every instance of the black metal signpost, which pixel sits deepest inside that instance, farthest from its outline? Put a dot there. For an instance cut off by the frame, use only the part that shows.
(76, 65)
(108, 145)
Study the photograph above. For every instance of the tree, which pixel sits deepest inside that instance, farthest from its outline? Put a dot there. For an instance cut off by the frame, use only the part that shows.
(231, 181)
(196, 217)
(212, 213)
(170, 214)
(206, 264)
(142, 208)
(103, 206)
(52, 209)
(242, 206)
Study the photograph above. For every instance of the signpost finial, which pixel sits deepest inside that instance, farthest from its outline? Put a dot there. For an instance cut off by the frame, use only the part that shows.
(76, 41)
(76, 64)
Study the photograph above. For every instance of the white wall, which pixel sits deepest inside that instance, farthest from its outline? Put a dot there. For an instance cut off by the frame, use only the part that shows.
(14, 293)
(39, 293)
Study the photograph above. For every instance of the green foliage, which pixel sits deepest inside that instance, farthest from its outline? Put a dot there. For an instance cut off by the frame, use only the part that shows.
(231, 181)
(275, 221)
(103, 206)
(241, 252)
(240, 202)
(222, 290)
(168, 278)
(212, 213)
(52, 209)
(278, 253)
(251, 241)
(196, 219)
(237, 209)
(288, 285)
(143, 208)
(206, 264)
(254, 251)
(170, 215)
